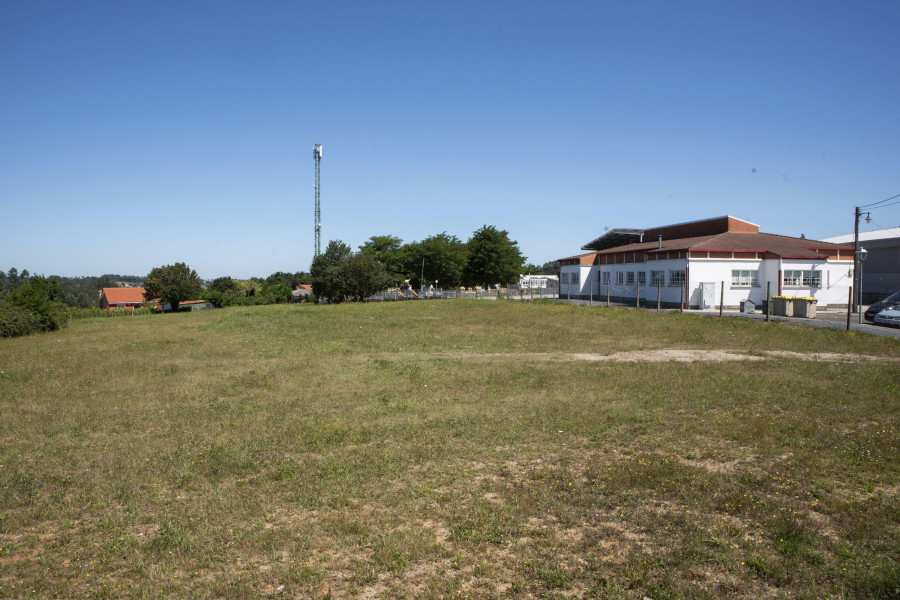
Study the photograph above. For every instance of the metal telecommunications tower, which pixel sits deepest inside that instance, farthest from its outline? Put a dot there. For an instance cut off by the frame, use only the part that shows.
(317, 156)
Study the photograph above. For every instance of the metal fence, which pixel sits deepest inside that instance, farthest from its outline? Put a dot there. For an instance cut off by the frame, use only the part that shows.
(512, 291)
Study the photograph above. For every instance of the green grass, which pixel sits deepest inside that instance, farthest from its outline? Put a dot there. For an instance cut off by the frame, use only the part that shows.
(445, 449)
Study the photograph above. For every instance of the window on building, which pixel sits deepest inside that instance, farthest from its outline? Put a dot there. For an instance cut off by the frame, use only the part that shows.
(564, 278)
(812, 279)
(744, 278)
(657, 278)
(642, 277)
(576, 277)
(803, 279)
(629, 278)
(676, 278)
(604, 277)
(620, 278)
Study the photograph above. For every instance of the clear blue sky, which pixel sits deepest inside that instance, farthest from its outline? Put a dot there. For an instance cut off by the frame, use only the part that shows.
(137, 134)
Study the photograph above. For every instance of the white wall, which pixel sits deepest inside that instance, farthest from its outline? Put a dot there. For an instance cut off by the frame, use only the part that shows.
(582, 288)
(837, 277)
(668, 294)
(834, 289)
(835, 280)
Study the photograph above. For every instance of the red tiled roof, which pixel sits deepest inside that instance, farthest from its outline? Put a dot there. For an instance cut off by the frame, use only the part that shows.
(736, 242)
(124, 295)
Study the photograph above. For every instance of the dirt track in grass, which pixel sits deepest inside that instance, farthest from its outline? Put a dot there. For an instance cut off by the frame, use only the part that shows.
(688, 356)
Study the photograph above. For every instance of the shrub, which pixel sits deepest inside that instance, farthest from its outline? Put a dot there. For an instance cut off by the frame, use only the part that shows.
(40, 297)
(15, 321)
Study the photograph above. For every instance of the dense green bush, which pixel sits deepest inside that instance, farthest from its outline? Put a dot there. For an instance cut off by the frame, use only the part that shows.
(40, 299)
(15, 321)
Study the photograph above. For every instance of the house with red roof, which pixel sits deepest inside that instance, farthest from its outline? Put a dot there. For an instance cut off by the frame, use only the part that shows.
(701, 264)
(130, 297)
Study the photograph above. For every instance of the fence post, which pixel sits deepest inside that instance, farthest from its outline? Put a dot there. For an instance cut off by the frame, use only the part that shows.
(637, 294)
(721, 299)
(607, 293)
(591, 300)
(658, 295)
(849, 307)
(681, 300)
(769, 303)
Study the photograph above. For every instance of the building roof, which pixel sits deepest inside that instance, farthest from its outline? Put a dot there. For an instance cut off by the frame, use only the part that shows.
(124, 295)
(867, 236)
(581, 259)
(615, 237)
(719, 234)
(620, 237)
(784, 246)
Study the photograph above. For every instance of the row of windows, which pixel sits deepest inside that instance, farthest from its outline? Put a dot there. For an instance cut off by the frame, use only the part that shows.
(739, 278)
(803, 278)
(676, 278)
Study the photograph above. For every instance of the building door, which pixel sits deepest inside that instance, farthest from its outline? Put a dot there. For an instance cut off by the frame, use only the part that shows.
(707, 294)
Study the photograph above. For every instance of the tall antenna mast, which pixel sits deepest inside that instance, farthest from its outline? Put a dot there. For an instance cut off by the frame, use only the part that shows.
(317, 156)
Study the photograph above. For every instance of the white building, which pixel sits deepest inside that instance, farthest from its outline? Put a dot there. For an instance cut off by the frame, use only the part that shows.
(536, 282)
(691, 264)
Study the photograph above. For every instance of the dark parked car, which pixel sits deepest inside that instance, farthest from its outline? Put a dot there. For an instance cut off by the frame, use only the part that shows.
(890, 318)
(889, 303)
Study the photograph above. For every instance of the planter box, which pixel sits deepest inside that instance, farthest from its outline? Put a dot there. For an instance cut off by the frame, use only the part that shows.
(805, 309)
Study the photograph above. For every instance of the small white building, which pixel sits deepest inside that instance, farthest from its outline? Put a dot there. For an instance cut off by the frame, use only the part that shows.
(688, 264)
(538, 282)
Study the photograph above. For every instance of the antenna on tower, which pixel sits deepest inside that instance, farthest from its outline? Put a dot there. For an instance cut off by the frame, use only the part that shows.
(317, 219)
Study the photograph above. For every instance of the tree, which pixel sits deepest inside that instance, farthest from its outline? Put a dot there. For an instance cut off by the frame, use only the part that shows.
(548, 268)
(388, 250)
(224, 285)
(172, 284)
(445, 260)
(42, 297)
(291, 280)
(493, 257)
(362, 276)
(327, 276)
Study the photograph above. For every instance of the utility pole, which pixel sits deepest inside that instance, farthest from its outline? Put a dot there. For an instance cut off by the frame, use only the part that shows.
(856, 281)
(317, 219)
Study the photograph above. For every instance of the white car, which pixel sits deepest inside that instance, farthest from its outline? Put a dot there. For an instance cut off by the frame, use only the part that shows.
(891, 318)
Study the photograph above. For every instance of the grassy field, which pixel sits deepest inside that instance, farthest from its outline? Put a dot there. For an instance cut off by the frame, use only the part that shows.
(447, 449)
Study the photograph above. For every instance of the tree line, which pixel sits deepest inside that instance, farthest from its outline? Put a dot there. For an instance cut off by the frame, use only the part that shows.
(488, 258)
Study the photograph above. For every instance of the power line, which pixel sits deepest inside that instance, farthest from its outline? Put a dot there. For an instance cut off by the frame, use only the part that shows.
(886, 205)
(881, 201)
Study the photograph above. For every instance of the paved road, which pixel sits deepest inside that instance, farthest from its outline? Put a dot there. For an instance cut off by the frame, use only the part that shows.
(824, 318)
